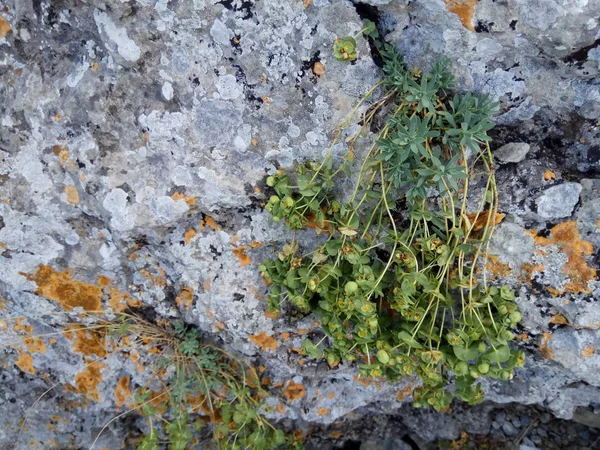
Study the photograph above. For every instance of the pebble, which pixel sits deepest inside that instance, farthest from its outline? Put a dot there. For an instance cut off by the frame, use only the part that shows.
(525, 420)
(496, 425)
(542, 432)
(516, 422)
(513, 152)
(509, 429)
(545, 418)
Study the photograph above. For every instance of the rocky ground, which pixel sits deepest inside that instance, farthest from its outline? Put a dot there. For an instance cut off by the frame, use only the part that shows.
(135, 139)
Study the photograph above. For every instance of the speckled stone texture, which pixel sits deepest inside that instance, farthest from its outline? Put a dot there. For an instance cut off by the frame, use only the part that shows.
(135, 138)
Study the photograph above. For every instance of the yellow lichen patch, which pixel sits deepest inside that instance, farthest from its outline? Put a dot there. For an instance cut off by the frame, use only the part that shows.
(191, 201)
(72, 195)
(566, 236)
(25, 363)
(294, 391)
(20, 325)
(587, 352)
(4, 27)
(559, 319)
(86, 342)
(210, 223)
(544, 348)
(122, 392)
(35, 344)
(319, 69)
(59, 286)
(264, 341)
(465, 10)
(189, 235)
(496, 268)
(322, 411)
(185, 298)
(86, 382)
(549, 175)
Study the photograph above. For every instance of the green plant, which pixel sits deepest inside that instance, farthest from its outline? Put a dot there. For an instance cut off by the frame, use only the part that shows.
(195, 388)
(397, 284)
(222, 391)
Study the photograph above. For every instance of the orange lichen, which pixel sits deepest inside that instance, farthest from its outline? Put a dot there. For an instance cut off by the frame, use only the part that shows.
(465, 10)
(59, 286)
(280, 408)
(103, 280)
(122, 392)
(319, 69)
(85, 341)
(307, 3)
(206, 285)
(25, 363)
(496, 268)
(587, 352)
(544, 348)
(159, 280)
(62, 153)
(72, 195)
(336, 434)
(285, 336)
(210, 223)
(559, 319)
(86, 382)
(4, 27)
(549, 175)
(523, 337)
(3, 325)
(294, 391)
(264, 341)
(266, 100)
(120, 301)
(303, 331)
(331, 395)
(566, 236)
(404, 393)
(188, 235)
(35, 344)
(185, 298)
(322, 411)
(191, 201)
(20, 325)
(240, 251)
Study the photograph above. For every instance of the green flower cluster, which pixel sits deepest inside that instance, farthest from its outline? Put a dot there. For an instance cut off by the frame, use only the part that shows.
(400, 290)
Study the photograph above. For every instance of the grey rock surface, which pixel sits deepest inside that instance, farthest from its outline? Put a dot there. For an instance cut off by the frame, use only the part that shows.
(135, 138)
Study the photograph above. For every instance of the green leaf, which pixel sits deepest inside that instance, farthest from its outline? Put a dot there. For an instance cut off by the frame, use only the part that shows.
(465, 353)
(409, 340)
(501, 354)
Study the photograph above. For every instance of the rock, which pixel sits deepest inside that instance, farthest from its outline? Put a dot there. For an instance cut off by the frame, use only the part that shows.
(527, 447)
(135, 138)
(509, 429)
(558, 201)
(514, 152)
